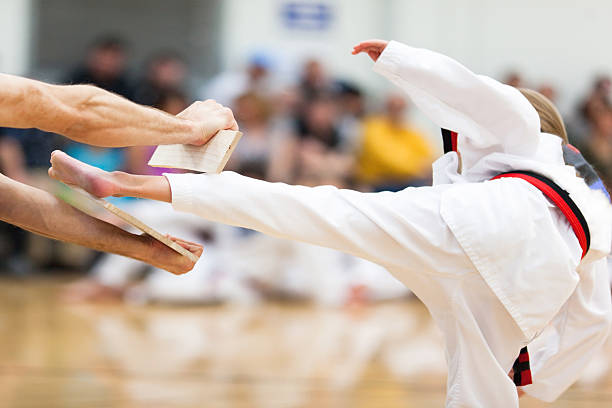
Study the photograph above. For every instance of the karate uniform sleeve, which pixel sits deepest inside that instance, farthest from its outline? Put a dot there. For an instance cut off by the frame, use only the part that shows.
(561, 352)
(401, 230)
(483, 111)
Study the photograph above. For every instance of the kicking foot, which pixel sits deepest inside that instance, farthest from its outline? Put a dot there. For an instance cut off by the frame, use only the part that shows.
(73, 172)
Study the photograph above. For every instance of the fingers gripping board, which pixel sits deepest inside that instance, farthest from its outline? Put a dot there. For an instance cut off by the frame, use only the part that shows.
(211, 157)
(130, 219)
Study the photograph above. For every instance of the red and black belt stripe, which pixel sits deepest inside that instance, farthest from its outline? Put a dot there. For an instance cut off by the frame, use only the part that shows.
(449, 140)
(563, 201)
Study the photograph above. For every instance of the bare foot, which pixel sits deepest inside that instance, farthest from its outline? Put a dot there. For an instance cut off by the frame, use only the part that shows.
(166, 258)
(73, 172)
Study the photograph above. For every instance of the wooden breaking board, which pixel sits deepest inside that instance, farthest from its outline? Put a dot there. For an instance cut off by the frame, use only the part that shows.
(211, 157)
(130, 219)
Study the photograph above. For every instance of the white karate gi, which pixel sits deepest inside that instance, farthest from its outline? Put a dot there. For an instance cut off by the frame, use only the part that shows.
(497, 265)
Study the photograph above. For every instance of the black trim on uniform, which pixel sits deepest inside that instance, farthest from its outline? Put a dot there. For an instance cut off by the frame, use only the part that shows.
(565, 196)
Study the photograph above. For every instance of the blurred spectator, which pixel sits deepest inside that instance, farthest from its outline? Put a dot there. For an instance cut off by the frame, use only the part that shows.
(319, 121)
(597, 146)
(12, 157)
(352, 109)
(13, 240)
(172, 101)
(311, 155)
(165, 72)
(588, 111)
(548, 91)
(314, 81)
(104, 67)
(515, 79)
(393, 154)
(226, 87)
(598, 99)
(251, 157)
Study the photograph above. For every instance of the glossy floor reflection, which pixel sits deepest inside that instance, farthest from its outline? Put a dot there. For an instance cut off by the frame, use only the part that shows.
(390, 355)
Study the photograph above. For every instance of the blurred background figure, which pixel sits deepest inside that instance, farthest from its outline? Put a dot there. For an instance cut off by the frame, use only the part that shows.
(104, 66)
(165, 72)
(256, 77)
(393, 154)
(514, 78)
(548, 90)
(254, 115)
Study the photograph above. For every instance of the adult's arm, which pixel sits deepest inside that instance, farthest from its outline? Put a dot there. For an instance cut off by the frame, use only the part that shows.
(44, 214)
(94, 116)
(486, 113)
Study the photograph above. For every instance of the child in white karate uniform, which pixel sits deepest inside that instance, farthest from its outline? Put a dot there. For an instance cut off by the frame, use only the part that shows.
(496, 263)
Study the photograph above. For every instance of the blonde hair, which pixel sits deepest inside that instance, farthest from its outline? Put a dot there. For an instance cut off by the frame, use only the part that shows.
(550, 118)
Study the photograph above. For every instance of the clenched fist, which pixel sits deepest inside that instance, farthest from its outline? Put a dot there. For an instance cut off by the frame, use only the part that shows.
(210, 117)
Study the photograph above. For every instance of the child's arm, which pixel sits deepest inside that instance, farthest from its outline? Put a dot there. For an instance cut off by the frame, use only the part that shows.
(560, 354)
(483, 111)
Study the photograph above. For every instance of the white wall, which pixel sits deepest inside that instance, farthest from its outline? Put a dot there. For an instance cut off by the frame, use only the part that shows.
(257, 25)
(15, 23)
(564, 42)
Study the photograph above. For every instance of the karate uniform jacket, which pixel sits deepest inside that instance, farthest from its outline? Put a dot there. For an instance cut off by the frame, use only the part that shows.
(504, 230)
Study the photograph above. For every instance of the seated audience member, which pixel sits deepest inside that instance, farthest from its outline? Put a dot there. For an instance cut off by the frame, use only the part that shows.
(312, 155)
(597, 146)
(12, 157)
(253, 113)
(515, 79)
(393, 154)
(12, 239)
(352, 110)
(597, 100)
(105, 67)
(257, 77)
(548, 91)
(314, 81)
(165, 72)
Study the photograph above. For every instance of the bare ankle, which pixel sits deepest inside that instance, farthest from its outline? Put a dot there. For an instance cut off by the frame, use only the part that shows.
(122, 183)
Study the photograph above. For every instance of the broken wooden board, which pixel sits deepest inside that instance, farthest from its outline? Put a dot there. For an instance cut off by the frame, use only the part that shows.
(130, 219)
(211, 157)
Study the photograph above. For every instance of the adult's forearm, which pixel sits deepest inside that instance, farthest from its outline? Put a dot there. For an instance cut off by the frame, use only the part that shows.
(42, 213)
(88, 114)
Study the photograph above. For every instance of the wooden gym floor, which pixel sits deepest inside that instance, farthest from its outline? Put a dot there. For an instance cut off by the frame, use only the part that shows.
(58, 355)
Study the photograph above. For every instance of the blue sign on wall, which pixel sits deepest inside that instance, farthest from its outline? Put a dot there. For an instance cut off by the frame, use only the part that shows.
(311, 16)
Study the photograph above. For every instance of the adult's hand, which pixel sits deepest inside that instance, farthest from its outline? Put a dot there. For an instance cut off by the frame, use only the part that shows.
(210, 117)
(372, 47)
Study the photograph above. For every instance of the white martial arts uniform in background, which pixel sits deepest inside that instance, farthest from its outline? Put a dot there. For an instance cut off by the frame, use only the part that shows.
(497, 264)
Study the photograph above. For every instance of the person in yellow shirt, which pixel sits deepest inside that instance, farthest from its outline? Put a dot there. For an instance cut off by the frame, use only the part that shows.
(393, 154)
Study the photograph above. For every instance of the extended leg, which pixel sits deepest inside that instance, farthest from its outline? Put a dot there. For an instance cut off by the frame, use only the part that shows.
(42, 213)
(101, 183)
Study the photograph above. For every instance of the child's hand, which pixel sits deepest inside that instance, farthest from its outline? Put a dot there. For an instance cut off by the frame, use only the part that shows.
(373, 47)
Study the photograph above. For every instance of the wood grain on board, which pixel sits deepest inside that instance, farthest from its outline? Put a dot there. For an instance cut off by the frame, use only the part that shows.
(208, 158)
